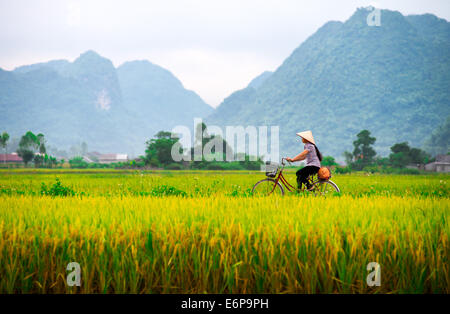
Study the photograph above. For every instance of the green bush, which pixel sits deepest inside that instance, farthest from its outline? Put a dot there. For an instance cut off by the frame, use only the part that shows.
(328, 161)
(238, 191)
(78, 162)
(166, 190)
(215, 166)
(390, 170)
(407, 171)
(153, 162)
(174, 166)
(371, 169)
(235, 165)
(57, 189)
(342, 170)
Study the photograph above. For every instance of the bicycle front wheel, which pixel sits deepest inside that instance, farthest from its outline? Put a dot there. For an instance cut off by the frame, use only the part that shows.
(325, 188)
(267, 187)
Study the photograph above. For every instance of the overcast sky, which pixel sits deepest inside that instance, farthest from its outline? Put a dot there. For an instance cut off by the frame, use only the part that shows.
(213, 47)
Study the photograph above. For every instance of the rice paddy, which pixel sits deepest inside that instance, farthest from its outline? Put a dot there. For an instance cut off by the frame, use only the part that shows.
(203, 232)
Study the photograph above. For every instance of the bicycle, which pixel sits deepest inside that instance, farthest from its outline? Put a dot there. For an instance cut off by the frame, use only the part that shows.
(275, 180)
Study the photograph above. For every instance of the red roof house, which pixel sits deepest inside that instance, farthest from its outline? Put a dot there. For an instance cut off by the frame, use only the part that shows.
(10, 158)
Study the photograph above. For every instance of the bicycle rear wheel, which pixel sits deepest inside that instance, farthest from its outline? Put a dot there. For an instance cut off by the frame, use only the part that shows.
(267, 187)
(325, 188)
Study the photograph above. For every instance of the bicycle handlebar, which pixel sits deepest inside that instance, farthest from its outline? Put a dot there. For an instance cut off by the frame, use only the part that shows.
(283, 160)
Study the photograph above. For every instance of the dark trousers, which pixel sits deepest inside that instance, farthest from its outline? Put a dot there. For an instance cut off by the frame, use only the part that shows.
(304, 173)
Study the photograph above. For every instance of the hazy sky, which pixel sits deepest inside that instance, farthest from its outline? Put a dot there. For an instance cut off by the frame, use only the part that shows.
(213, 47)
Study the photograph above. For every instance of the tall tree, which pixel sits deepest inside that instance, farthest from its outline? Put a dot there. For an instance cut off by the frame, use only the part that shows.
(30, 144)
(159, 149)
(363, 152)
(41, 143)
(403, 155)
(4, 143)
(203, 138)
(400, 156)
(201, 134)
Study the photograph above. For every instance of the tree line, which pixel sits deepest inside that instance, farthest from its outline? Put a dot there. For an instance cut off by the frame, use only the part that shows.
(364, 156)
(158, 153)
(32, 148)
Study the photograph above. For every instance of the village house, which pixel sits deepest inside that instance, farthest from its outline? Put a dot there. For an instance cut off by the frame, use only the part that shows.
(105, 158)
(110, 158)
(10, 158)
(442, 164)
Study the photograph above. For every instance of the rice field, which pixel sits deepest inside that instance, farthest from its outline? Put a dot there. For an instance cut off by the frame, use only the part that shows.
(203, 232)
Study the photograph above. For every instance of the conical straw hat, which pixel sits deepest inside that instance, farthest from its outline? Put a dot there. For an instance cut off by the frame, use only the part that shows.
(307, 135)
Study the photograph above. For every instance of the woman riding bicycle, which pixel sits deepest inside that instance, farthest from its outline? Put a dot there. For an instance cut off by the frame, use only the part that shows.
(313, 158)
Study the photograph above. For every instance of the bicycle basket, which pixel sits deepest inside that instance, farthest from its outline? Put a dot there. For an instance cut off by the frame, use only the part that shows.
(271, 169)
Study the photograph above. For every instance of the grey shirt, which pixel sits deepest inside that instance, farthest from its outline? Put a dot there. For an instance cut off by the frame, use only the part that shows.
(311, 157)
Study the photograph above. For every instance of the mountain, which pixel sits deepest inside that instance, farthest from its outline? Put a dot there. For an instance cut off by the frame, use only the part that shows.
(232, 104)
(112, 110)
(157, 99)
(260, 79)
(392, 80)
(75, 102)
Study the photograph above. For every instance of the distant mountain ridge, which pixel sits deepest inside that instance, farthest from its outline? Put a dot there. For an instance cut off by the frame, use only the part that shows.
(151, 90)
(393, 80)
(113, 110)
(260, 79)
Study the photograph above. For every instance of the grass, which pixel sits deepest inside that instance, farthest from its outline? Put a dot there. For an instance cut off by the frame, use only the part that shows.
(136, 232)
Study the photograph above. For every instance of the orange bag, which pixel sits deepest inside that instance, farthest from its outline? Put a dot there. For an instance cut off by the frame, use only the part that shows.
(324, 173)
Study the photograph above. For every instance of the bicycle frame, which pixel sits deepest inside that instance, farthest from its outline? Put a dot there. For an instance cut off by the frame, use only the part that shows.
(283, 180)
(318, 186)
